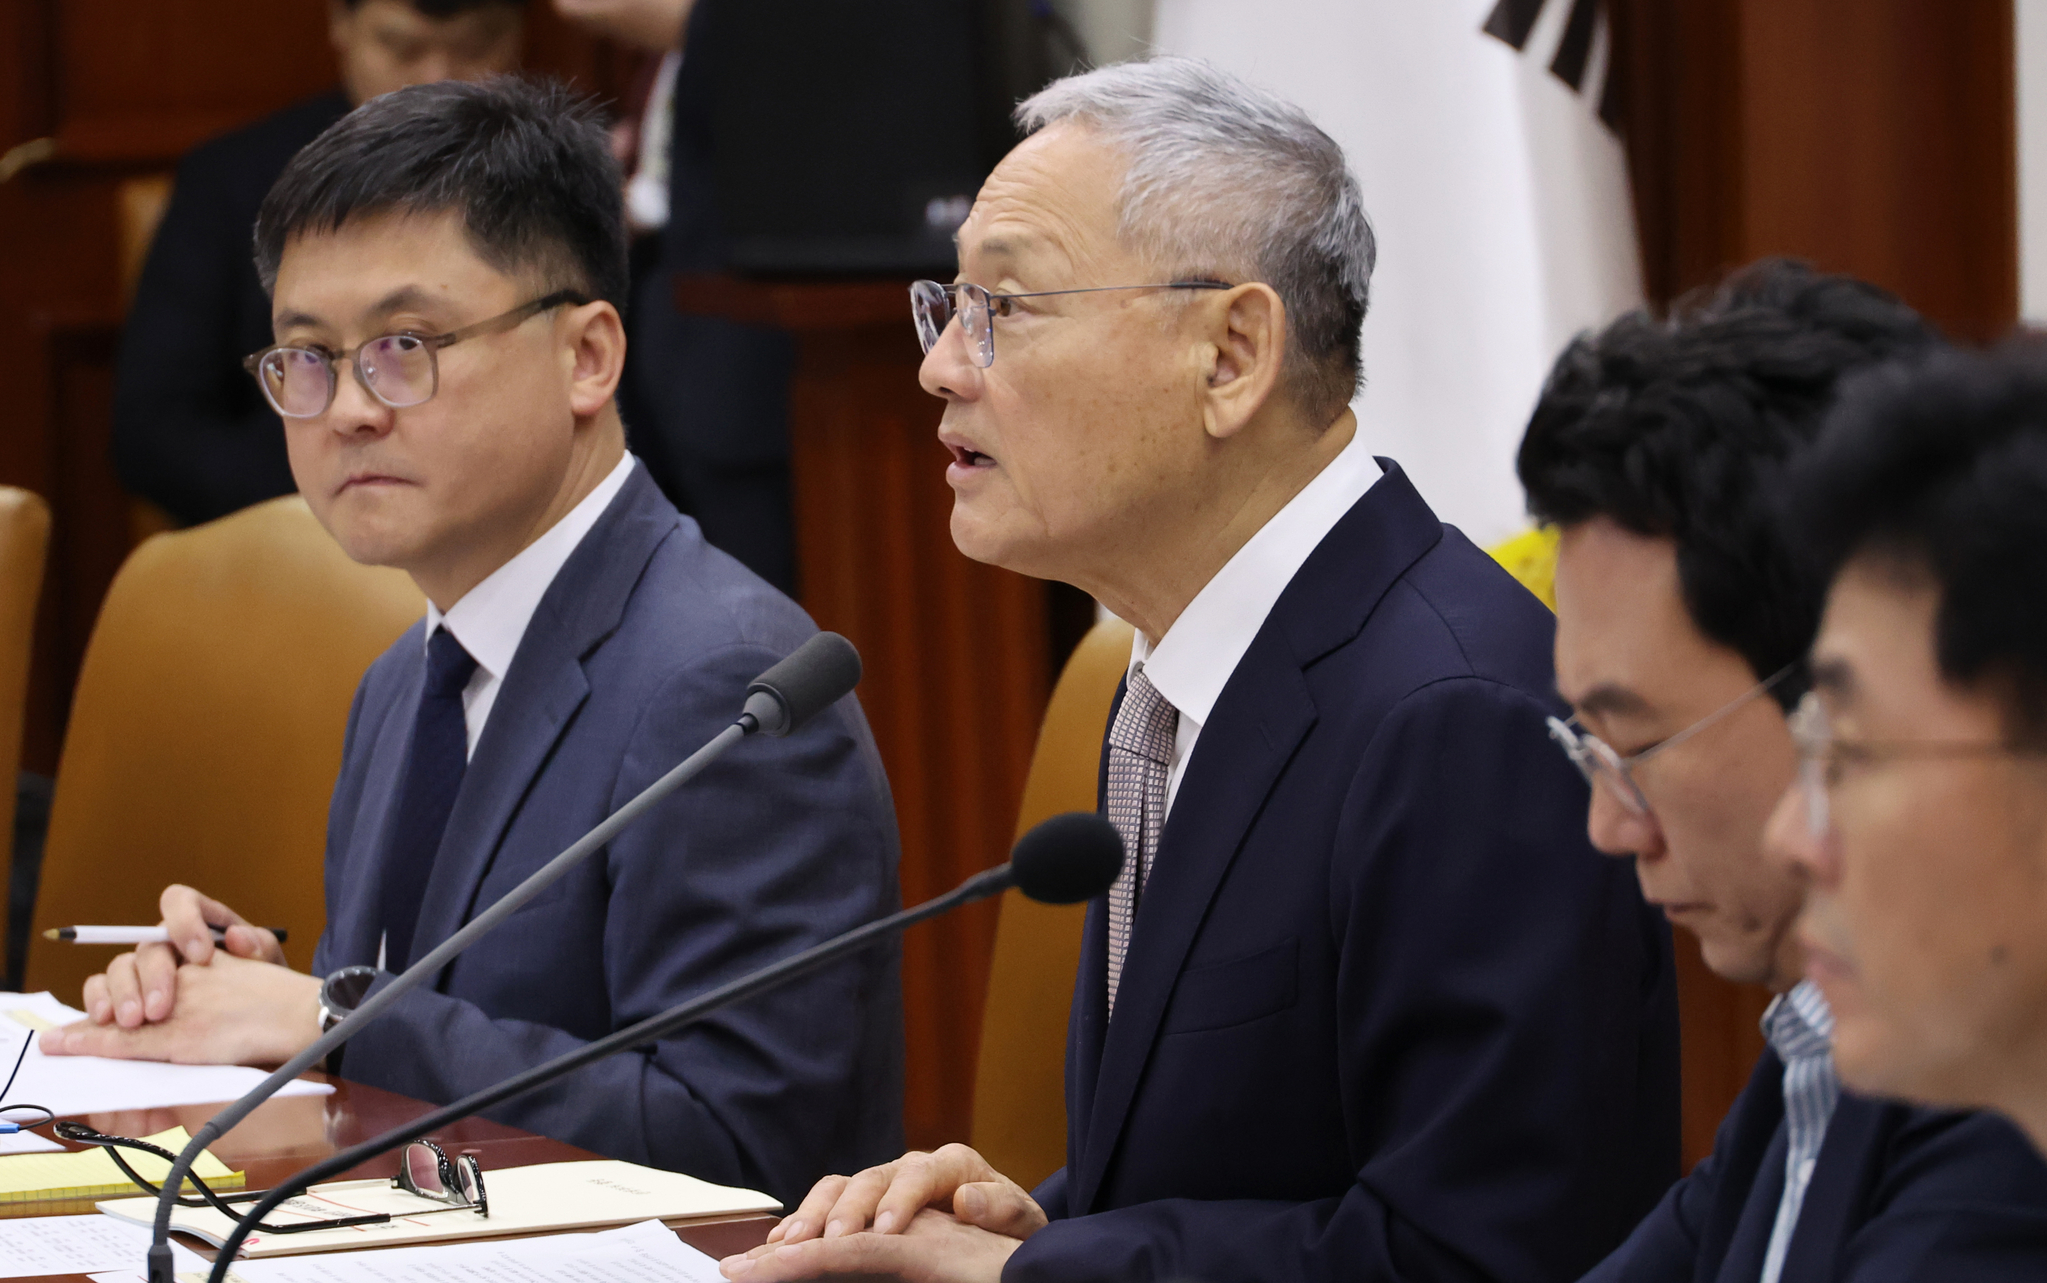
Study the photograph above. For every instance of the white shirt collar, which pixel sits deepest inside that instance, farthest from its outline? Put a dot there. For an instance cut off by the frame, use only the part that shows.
(491, 618)
(1192, 663)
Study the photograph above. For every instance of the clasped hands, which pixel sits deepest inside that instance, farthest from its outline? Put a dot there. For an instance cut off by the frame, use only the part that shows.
(942, 1217)
(195, 1002)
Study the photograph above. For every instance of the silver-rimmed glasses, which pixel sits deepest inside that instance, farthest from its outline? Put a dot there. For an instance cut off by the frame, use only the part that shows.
(1823, 759)
(399, 370)
(1604, 767)
(933, 306)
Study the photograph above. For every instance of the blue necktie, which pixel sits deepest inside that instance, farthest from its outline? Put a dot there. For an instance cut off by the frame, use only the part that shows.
(433, 775)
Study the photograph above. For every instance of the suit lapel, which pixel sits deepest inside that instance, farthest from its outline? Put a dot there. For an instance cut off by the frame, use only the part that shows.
(1264, 713)
(356, 929)
(1217, 801)
(540, 697)
(1090, 1016)
(1835, 1193)
(1741, 1152)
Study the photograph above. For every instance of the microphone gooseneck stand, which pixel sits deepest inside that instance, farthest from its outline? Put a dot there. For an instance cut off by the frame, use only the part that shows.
(1064, 860)
(814, 675)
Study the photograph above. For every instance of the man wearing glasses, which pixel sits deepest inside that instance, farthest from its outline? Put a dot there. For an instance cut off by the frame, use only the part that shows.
(1921, 823)
(1364, 1006)
(446, 265)
(1682, 620)
(189, 433)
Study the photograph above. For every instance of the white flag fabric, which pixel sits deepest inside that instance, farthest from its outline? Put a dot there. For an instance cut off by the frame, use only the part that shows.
(1499, 196)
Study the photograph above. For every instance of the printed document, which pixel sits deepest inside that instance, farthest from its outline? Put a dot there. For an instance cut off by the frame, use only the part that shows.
(67, 1085)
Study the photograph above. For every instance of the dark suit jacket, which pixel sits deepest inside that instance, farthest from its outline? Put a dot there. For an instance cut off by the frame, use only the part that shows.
(639, 653)
(191, 431)
(1898, 1195)
(706, 398)
(1385, 1014)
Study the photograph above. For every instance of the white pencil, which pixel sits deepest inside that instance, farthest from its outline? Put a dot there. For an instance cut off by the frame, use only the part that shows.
(131, 935)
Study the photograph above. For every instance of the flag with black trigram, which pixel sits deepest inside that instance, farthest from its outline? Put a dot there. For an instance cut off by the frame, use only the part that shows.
(1514, 22)
(1485, 134)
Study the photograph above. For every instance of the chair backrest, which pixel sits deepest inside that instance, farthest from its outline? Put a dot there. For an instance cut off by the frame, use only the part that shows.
(206, 730)
(24, 546)
(1019, 1083)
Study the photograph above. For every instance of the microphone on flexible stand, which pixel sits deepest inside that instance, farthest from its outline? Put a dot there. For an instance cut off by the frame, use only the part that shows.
(1064, 860)
(811, 678)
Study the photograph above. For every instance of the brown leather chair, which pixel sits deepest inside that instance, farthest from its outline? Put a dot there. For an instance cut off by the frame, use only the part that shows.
(206, 730)
(24, 546)
(1019, 1084)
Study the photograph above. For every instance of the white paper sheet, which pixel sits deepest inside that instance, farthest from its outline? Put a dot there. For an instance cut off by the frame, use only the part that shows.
(27, 1142)
(645, 1253)
(544, 1198)
(93, 1085)
(34, 1245)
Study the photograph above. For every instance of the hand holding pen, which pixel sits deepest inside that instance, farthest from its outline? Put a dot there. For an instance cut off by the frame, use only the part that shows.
(141, 987)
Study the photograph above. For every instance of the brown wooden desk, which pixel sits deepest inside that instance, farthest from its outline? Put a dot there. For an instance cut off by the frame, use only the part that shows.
(283, 1136)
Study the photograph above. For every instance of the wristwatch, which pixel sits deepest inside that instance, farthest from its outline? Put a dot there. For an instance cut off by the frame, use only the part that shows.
(342, 992)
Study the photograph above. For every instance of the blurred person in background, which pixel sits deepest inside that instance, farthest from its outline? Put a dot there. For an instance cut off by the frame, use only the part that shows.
(705, 399)
(191, 432)
(1682, 618)
(1921, 820)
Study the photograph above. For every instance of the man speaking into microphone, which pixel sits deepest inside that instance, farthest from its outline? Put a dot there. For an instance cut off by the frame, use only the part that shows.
(1364, 1005)
(446, 267)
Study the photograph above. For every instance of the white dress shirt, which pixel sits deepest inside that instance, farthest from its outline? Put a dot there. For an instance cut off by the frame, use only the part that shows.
(1192, 663)
(1800, 1029)
(491, 618)
(646, 193)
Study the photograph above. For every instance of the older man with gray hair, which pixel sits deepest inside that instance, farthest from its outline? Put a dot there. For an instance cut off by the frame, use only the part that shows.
(1365, 1004)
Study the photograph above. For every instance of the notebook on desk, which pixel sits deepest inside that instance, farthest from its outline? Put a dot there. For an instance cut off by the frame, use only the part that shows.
(544, 1198)
(89, 1173)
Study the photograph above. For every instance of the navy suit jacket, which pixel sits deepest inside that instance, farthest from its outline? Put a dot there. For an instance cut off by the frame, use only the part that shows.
(639, 652)
(1898, 1195)
(1385, 1014)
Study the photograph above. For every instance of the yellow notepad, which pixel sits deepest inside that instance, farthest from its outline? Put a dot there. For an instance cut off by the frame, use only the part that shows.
(32, 1178)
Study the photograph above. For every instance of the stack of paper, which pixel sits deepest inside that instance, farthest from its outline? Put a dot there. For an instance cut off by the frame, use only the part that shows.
(644, 1253)
(89, 1173)
(32, 1246)
(67, 1085)
(544, 1198)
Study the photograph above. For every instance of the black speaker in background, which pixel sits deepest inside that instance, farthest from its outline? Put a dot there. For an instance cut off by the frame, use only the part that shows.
(848, 137)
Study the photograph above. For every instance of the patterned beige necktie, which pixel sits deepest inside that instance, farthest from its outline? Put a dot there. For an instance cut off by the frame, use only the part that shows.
(1140, 746)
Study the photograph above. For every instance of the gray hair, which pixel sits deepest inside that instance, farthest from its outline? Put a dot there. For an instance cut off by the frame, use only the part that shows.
(1230, 182)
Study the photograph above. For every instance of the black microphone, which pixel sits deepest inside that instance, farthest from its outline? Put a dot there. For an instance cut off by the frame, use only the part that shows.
(812, 678)
(1066, 859)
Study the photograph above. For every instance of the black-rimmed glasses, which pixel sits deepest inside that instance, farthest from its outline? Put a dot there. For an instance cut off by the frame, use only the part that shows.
(933, 306)
(424, 1170)
(1604, 767)
(399, 370)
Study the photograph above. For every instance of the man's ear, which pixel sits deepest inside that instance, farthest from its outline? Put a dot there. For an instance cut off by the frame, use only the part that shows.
(1244, 337)
(593, 349)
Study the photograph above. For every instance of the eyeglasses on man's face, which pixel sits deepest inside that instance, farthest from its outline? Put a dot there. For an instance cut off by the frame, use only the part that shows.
(400, 370)
(1605, 768)
(933, 306)
(1825, 761)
